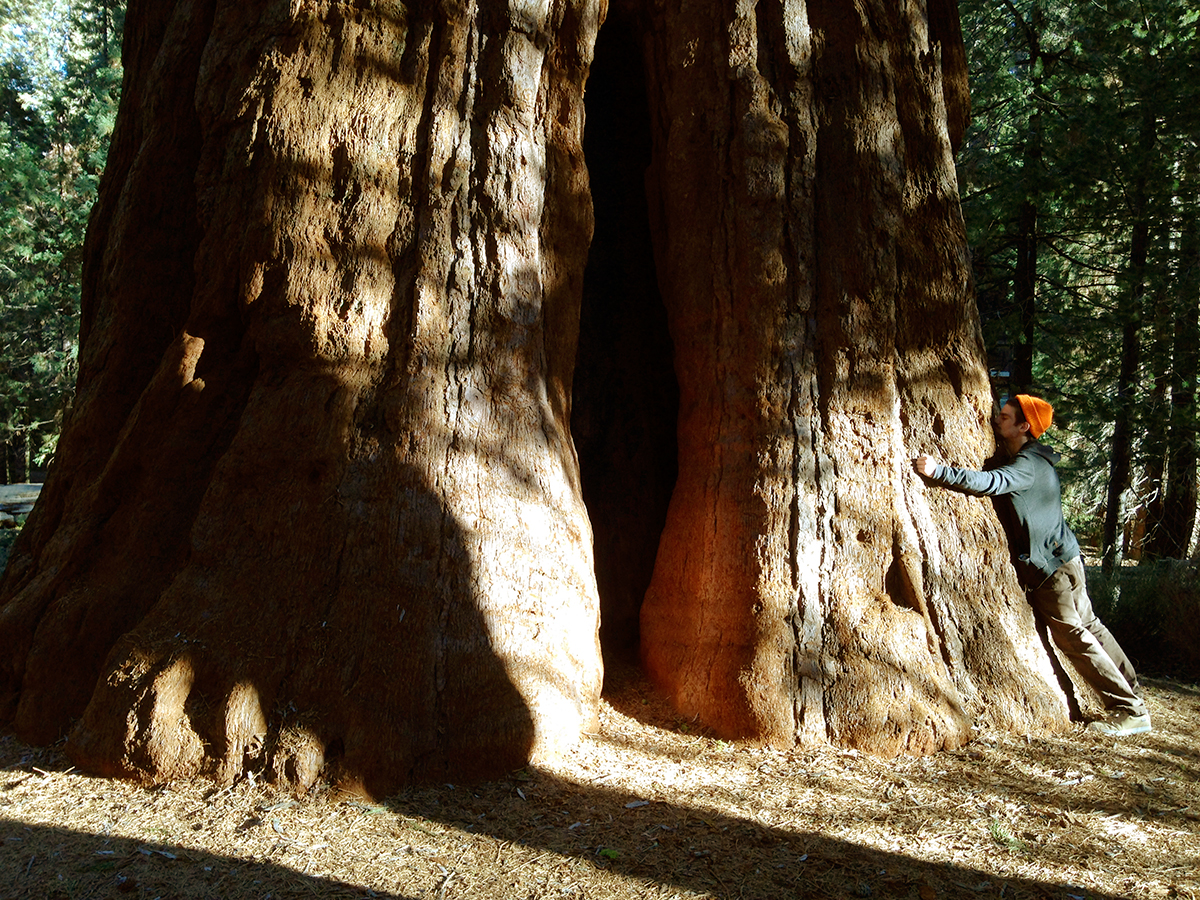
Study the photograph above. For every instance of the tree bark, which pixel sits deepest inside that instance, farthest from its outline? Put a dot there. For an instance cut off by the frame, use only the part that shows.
(815, 271)
(317, 506)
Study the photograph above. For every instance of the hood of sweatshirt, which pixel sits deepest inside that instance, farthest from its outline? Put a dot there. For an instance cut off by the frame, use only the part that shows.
(1039, 449)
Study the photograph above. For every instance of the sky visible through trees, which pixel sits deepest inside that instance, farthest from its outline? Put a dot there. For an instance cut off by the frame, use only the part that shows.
(1079, 182)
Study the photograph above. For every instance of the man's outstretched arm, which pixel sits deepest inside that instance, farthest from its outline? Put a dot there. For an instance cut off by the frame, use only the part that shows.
(1017, 475)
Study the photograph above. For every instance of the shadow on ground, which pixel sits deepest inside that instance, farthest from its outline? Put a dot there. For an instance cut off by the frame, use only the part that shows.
(537, 835)
(679, 850)
(56, 864)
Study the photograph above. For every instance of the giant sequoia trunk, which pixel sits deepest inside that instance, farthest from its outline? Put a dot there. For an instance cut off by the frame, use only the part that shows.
(317, 507)
(317, 503)
(815, 270)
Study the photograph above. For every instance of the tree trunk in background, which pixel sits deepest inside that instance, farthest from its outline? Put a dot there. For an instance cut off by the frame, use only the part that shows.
(16, 458)
(1132, 293)
(1156, 408)
(1179, 493)
(317, 505)
(1121, 458)
(815, 271)
(1027, 241)
(1025, 297)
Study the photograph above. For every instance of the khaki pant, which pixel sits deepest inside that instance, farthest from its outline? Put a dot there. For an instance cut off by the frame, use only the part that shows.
(1062, 603)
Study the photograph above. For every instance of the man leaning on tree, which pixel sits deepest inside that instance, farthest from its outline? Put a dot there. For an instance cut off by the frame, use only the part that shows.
(1046, 556)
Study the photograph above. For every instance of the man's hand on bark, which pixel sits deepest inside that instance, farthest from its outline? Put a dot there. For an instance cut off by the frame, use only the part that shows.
(925, 465)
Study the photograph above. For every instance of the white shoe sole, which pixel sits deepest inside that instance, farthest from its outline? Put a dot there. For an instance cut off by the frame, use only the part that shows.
(1112, 731)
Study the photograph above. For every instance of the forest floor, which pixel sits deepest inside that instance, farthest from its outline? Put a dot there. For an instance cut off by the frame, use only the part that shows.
(647, 808)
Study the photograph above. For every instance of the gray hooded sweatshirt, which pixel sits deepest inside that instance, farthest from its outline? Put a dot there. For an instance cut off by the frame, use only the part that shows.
(1028, 501)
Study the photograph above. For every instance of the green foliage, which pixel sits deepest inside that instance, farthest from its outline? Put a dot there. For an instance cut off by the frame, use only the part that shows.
(1154, 612)
(8, 537)
(1086, 119)
(60, 80)
(1004, 837)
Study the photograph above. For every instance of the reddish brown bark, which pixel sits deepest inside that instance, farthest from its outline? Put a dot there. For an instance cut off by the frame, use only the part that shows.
(808, 588)
(317, 506)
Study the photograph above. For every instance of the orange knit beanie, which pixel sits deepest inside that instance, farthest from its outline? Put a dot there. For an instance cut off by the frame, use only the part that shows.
(1038, 413)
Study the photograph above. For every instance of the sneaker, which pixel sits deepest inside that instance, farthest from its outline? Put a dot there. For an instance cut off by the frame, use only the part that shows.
(1119, 724)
